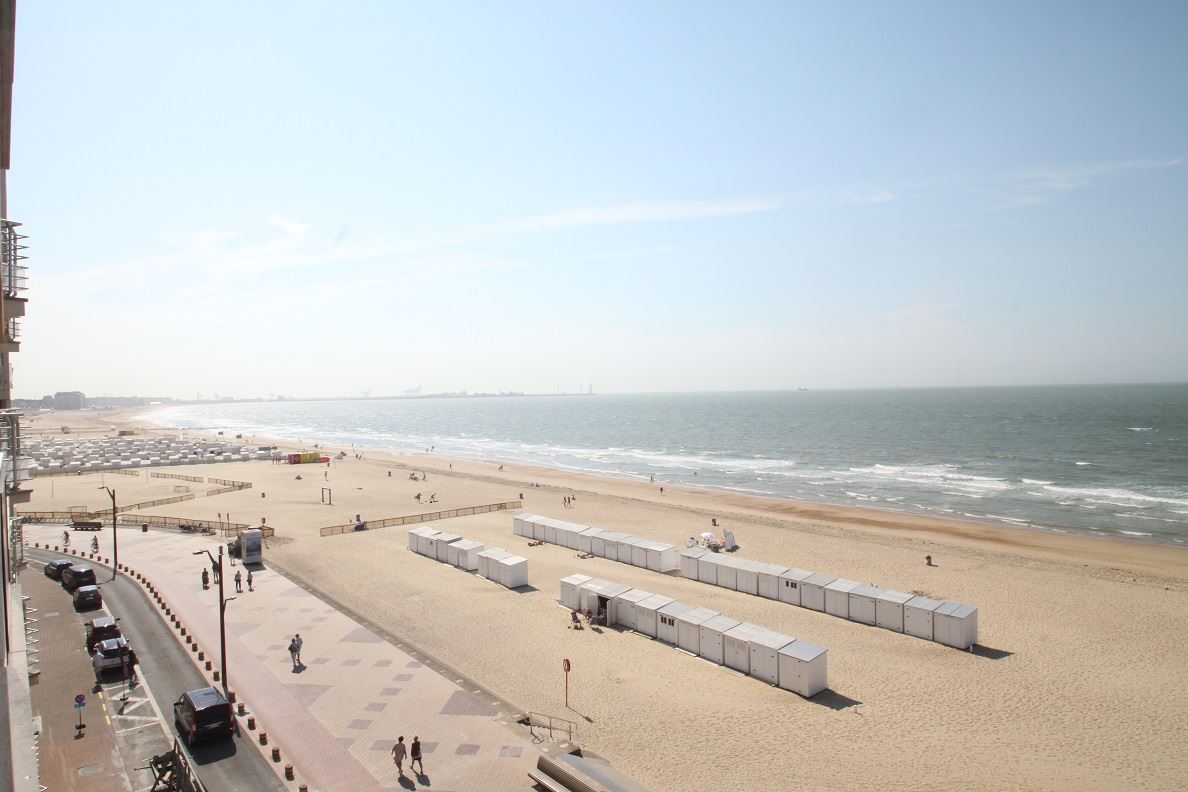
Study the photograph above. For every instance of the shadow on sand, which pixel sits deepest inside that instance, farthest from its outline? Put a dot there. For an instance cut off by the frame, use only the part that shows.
(834, 700)
(991, 654)
(526, 589)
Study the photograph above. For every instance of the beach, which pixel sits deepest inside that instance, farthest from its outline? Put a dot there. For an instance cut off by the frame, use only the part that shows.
(1079, 681)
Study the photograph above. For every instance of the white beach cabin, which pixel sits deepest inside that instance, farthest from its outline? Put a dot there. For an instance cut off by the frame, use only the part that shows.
(425, 542)
(728, 571)
(440, 545)
(889, 609)
(746, 576)
(487, 560)
(688, 561)
(863, 601)
(666, 622)
(707, 568)
(646, 610)
(599, 542)
(790, 583)
(571, 595)
(689, 628)
(582, 540)
(464, 554)
(803, 668)
(662, 557)
(414, 538)
(712, 631)
(513, 571)
(604, 600)
(812, 591)
(769, 580)
(837, 597)
(917, 616)
(736, 646)
(567, 533)
(624, 606)
(627, 549)
(522, 524)
(765, 658)
(956, 625)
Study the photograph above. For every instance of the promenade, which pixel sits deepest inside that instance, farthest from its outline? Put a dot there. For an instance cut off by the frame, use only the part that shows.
(336, 716)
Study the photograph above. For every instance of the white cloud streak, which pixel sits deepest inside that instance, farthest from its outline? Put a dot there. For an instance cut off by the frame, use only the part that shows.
(645, 212)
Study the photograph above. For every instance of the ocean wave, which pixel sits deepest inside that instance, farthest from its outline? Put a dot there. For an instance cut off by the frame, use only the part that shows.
(1118, 494)
(1134, 533)
(1141, 428)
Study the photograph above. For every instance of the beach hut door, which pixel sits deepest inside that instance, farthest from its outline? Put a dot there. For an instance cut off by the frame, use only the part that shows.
(604, 611)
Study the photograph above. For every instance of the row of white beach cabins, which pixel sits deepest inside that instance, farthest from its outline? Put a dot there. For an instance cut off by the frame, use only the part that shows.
(798, 666)
(950, 623)
(496, 564)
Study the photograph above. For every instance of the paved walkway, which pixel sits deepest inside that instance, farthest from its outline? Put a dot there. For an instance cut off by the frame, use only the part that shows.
(334, 718)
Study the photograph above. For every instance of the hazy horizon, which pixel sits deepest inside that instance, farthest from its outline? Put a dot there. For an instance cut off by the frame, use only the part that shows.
(655, 198)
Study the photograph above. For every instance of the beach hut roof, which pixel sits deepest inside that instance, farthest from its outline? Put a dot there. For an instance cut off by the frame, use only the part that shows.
(694, 552)
(721, 623)
(925, 603)
(819, 580)
(655, 602)
(843, 585)
(653, 545)
(752, 566)
(675, 609)
(495, 553)
(511, 559)
(743, 631)
(530, 517)
(796, 574)
(898, 597)
(576, 580)
(468, 544)
(613, 590)
(770, 638)
(595, 584)
(868, 590)
(772, 569)
(591, 531)
(956, 609)
(634, 595)
(612, 536)
(802, 650)
(696, 615)
(447, 537)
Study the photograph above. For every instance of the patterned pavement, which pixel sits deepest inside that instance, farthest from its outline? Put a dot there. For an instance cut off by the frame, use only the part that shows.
(336, 717)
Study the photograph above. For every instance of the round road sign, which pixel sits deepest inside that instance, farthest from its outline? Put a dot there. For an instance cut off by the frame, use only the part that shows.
(565, 665)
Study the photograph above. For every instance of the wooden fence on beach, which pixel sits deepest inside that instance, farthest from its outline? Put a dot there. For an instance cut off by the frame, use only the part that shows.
(177, 476)
(411, 519)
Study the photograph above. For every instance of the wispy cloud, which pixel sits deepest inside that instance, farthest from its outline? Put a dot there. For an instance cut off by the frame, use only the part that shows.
(645, 212)
(289, 225)
(1030, 187)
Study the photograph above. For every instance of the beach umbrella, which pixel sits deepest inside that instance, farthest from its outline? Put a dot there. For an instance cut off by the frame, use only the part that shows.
(707, 535)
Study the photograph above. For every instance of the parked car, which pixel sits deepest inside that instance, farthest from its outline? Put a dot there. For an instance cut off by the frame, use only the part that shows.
(115, 652)
(87, 597)
(100, 629)
(77, 575)
(203, 714)
(54, 569)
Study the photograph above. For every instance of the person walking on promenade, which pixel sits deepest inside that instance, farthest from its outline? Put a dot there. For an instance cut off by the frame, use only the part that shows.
(238, 581)
(205, 578)
(416, 755)
(250, 581)
(132, 661)
(66, 539)
(97, 663)
(399, 750)
(95, 544)
(295, 650)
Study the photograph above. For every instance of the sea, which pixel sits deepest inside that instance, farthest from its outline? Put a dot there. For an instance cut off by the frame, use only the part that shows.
(1106, 460)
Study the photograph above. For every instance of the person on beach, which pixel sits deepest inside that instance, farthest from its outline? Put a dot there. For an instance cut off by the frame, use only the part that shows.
(238, 581)
(399, 750)
(416, 755)
(250, 581)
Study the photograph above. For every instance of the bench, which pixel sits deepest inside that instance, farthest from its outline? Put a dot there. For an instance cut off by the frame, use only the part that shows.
(86, 525)
(556, 777)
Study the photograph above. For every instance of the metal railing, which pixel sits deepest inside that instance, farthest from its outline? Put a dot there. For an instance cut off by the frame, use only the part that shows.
(13, 274)
(538, 720)
(411, 519)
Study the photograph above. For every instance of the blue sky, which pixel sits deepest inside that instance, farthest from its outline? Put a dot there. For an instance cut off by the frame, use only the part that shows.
(316, 198)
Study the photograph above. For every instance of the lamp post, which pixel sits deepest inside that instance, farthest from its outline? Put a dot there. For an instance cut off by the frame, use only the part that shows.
(218, 565)
(115, 537)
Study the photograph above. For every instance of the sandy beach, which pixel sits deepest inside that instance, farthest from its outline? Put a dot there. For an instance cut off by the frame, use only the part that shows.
(1079, 683)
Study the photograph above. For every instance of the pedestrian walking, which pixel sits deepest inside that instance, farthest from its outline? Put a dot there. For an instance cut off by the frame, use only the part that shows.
(295, 650)
(97, 663)
(399, 751)
(250, 581)
(95, 544)
(238, 581)
(416, 755)
(132, 661)
(215, 569)
(205, 579)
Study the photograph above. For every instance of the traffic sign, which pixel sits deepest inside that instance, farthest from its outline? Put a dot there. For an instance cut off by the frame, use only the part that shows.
(80, 701)
(565, 665)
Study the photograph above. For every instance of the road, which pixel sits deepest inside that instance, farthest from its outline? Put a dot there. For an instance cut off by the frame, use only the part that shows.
(225, 766)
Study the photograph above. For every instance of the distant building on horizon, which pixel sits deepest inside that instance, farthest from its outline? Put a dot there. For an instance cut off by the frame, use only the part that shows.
(68, 400)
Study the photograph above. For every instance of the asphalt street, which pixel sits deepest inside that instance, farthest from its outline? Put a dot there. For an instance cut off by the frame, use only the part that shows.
(225, 765)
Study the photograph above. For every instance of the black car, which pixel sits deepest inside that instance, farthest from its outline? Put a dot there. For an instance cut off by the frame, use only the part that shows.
(87, 597)
(203, 714)
(54, 569)
(78, 575)
(100, 629)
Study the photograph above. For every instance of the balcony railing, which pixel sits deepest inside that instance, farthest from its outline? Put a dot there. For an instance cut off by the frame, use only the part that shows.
(13, 274)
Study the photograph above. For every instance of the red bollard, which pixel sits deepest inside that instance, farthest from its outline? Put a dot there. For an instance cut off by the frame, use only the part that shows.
(288, 767)
(251, 723)
(242, 709)
(208, 664)
(216, 673)
(263, 738)
(276, 754)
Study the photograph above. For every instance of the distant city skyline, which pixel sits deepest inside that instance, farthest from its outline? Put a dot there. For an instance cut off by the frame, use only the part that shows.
(321, 201)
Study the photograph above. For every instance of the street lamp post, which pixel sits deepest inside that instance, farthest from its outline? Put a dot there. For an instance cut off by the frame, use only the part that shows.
(218, 565)
(115, 537)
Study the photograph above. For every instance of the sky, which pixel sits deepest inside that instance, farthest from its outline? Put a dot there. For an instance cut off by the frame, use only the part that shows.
(352, 198)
